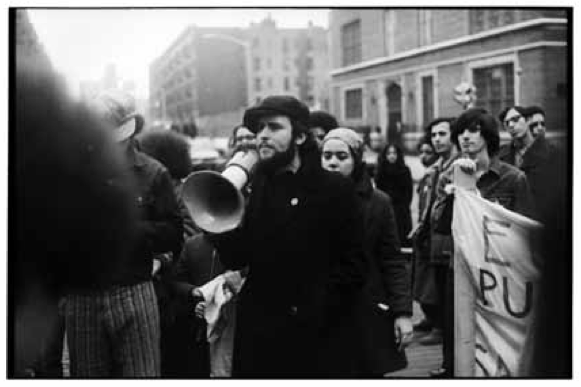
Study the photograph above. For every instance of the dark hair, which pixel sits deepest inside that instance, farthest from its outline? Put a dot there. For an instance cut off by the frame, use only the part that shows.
(382, 160)
(425, 140)
(72, 186)
(521, 110)
(323, 120)
(310, 145)
(437, 121)
(532, 110)
(170, 148)
(484, 121)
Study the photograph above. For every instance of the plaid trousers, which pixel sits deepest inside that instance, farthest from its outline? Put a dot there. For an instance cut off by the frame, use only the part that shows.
(114, 333)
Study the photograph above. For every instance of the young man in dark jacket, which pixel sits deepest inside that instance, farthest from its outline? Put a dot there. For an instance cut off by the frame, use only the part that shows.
(113, 328)
(302, 242)
(531, 154)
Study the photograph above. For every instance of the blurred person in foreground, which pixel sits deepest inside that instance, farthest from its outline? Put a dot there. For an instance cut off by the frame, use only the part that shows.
(395, 179)
(424, 281)
(386, 305)
(320, 123)
(302, 241)
(74, 213)
(115, 331)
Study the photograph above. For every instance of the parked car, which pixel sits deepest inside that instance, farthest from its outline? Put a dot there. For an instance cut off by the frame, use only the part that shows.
(205, 155)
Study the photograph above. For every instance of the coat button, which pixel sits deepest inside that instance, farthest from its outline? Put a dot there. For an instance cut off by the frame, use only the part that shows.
(293, 310)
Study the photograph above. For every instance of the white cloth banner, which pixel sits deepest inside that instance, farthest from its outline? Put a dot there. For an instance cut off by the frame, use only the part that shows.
(495, 249)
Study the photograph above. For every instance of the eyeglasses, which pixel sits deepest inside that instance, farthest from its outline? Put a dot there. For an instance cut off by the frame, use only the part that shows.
(513, 119)
(538, 123)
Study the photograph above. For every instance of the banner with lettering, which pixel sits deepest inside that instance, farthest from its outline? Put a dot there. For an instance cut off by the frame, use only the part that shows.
(496, 249)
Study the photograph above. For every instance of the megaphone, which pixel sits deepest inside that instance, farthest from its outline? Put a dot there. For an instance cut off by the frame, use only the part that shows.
(214, 200)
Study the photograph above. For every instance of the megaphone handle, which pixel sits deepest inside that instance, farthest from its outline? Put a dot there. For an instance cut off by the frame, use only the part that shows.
(244, 169)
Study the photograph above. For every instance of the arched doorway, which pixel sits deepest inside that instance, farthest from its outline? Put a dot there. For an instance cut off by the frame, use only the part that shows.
(393, 93)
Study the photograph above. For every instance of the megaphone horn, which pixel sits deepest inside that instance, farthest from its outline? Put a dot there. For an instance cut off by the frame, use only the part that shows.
(214, 200)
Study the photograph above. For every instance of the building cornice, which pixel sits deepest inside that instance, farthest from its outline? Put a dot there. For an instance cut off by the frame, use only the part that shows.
(447, 44)
(459, 59)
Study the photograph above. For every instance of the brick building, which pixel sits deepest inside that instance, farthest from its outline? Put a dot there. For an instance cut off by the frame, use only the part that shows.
(289, 61)
(199, 77)
(395, 69)
(208, 76)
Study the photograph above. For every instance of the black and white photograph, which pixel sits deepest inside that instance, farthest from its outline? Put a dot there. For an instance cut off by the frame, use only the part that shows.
(334, 191)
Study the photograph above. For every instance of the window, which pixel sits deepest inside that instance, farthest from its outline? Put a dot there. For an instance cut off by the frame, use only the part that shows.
(285, 64)
(309, 63)
(485, 19)
(427, 99)
(389, 33)
(269, 63)
(284, 45)
(256, 64)
(351, 42)
(257, 84)
(309, 45)
(354, 104)
(425, 32)
(310, 83)
(494, 87)
(269, 83)
(286, 84)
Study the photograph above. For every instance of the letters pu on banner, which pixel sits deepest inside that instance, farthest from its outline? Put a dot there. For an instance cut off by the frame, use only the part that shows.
(495, 249)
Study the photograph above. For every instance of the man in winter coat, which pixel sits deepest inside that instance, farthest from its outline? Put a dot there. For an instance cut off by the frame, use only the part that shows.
(532, 155)
(302, 242)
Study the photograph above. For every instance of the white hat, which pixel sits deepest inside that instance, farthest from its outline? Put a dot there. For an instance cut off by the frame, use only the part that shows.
(118, 108)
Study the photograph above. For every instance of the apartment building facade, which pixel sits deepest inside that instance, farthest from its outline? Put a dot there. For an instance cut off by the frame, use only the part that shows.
(208, 76)
(289, 61)
(396, 69)
(198, 79)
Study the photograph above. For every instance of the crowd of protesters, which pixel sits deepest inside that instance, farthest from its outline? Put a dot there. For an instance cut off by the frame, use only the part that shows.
(314, 279)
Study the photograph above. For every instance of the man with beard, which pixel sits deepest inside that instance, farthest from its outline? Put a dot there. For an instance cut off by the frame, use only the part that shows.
(302, 242)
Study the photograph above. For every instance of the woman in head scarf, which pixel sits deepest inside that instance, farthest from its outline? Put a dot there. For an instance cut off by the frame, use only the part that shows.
(386, 304)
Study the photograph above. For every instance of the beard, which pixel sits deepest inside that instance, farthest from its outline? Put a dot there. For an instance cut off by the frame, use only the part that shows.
(279, 160)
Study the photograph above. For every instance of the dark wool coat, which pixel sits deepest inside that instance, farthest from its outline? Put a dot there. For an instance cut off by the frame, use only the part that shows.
(398, 184)
(537, 160)
(185, 350)
(388, 283)
(306, 270)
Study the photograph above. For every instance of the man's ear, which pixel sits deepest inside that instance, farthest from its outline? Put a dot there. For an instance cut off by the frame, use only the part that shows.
(300, 139)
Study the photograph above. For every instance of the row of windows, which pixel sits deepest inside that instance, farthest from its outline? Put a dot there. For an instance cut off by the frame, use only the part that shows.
(256, 42)
(495, 89)
(479, 20)
(309, 63)
(286, 83)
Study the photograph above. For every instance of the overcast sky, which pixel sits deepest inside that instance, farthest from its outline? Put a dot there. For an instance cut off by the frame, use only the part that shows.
(80, 43)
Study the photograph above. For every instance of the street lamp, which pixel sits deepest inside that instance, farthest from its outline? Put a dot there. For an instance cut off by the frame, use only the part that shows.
(247, 57)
